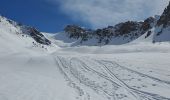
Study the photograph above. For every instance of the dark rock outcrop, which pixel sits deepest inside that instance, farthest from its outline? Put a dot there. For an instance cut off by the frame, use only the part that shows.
(38, 36)
(77, 32)
(148, 23)
(127, 27)
(74, 31)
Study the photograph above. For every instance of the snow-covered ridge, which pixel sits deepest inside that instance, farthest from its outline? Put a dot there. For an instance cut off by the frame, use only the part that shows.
(16, 37)
(18, 28)
(154, 29)
(122, 33)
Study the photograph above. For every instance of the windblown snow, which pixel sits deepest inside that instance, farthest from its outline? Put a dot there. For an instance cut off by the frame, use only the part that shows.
(139, 70)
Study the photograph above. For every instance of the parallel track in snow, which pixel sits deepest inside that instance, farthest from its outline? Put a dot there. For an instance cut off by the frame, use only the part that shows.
(73, 70)
(154, 78)
(144, 94)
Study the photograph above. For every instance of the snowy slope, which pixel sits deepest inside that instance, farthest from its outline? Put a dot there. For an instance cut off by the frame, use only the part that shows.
(9, 35)
(83, 76)
(156, 34)
(45, 66)
(16, 38)
(124, 72)
(164, 36)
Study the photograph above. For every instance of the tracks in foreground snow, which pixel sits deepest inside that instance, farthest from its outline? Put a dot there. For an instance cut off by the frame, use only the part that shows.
(114, 69)
(110, 80)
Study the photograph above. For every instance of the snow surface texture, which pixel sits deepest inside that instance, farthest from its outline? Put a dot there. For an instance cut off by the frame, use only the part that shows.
(139, 70)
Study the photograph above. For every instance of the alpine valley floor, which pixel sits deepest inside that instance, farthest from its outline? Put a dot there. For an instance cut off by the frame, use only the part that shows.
(126, 72)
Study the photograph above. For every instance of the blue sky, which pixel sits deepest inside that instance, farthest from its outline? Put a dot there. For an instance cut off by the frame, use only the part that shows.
(53, 15)
(43, 15)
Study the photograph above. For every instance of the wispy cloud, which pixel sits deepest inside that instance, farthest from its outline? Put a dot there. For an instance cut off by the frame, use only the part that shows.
(100, 13)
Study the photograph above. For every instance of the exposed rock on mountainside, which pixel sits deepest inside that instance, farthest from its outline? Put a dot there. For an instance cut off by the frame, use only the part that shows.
(77, 32)
(74, 31)
(22, 29)
(127, 27)
(148, 24)
(37, 36)
(157, 27)
(162, 29)
(165, 18)
(127, 31)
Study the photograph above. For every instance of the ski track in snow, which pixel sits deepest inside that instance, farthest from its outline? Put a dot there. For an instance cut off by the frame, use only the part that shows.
(106, 79)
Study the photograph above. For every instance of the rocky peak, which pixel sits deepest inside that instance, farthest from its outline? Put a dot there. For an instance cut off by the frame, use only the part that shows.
(77, 32)
(74, 31)
(165, 17)
(148, 23)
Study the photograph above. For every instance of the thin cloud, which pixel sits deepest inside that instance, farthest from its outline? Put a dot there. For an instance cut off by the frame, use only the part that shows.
(100, 13)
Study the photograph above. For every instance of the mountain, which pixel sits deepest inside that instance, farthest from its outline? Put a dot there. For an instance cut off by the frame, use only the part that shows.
(119, 34)
(155, 28)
